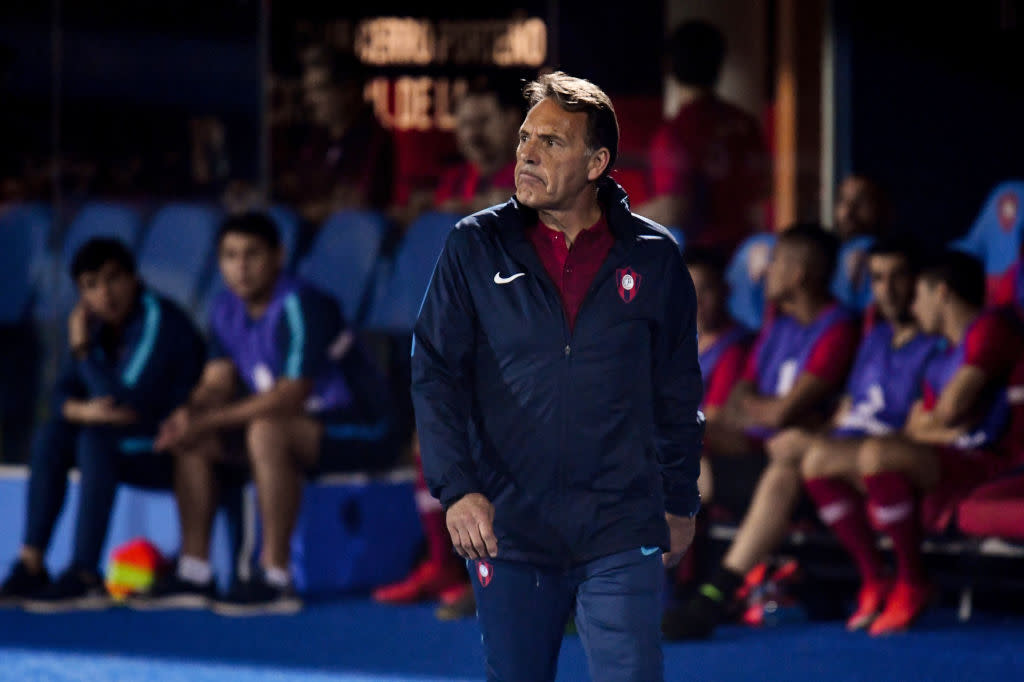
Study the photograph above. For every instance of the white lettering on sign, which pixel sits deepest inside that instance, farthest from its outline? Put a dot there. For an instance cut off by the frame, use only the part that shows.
(497, 42)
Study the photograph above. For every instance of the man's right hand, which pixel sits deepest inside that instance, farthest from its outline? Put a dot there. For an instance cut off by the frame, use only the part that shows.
(471, 525)
(101, 411)
(172, 430)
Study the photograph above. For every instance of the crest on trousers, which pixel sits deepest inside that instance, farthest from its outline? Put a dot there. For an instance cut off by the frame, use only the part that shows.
(629, 283)
(484, 573)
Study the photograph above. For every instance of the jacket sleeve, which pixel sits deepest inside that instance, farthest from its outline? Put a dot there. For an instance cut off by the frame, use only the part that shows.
(68, 386)
(678, 388)
(442, 352)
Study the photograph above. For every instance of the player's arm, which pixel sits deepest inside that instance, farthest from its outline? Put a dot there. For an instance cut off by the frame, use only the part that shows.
(922, 427)
(303, 336)
(824, 373)
(842, 410)
(775, 413)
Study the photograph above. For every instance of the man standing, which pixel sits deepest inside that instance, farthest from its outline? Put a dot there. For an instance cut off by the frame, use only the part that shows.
(556, 384)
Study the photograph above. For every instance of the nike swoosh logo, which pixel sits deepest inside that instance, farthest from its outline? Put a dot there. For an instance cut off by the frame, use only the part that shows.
(648, 551)
(498, 279)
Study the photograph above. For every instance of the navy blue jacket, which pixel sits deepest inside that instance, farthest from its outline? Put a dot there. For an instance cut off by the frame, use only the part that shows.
(151, 368)
(582, 440)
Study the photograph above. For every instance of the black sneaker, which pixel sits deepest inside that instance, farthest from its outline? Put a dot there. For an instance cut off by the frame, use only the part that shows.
(172, 592)
(695, 619)
(75, 590)
(257, 597)
(22, 584)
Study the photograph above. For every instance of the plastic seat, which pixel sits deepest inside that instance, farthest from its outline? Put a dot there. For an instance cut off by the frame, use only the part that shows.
(176, 255)
(343, 255)
(745, 276)
(397, 301)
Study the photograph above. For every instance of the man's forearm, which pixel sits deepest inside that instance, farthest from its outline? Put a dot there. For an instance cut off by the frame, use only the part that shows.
(273, 403)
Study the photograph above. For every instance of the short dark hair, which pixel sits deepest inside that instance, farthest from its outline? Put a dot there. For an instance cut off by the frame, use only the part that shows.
(99, 251)
(822, 246)
(254, 224)
(695, 52)
(706, 257)
(898, 245)
(961, 272)
(576, 95)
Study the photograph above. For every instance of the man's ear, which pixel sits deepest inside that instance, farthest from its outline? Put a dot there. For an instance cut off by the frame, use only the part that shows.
(598, 162)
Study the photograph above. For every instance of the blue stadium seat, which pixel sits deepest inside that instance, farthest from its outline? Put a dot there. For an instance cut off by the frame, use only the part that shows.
(995, 237)
(343, 255)
(175, 257)
(397, 302)
(745, 276)
(100, 219)
(851, 284)
(287, 222)
(24, 266)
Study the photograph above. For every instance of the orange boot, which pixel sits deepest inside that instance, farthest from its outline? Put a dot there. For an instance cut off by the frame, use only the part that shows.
(870, 602)
(907, 602)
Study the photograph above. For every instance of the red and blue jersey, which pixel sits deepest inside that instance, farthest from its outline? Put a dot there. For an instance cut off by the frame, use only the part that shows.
(886, 381)
(992, 343)
(721, 365)
(786, 348)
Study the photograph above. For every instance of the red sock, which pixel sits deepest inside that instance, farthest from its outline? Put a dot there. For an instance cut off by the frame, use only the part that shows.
(439, 544)
(841, 508)
(894, 509)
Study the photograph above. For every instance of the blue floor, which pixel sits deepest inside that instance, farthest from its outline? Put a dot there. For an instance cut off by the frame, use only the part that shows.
(355, 641)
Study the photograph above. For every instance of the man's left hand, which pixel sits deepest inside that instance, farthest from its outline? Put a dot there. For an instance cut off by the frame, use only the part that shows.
(680, 532)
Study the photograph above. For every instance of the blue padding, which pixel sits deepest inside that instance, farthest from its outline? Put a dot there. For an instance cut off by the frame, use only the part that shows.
(745, 276)
(851, 284)
(995, 236)
(178, 250)
(353, 535)
(397, 303)
(342, 257)
(138, 513)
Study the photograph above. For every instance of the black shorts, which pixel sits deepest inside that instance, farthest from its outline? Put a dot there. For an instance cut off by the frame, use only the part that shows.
(352, 442)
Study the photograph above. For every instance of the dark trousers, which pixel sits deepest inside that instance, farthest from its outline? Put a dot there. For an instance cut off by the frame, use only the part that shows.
(523, 610)
(105, 456)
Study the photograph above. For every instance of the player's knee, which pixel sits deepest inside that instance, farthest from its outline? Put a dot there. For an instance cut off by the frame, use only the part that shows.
(814, 461)
(871, 457)
(263, 435)
(784, 448)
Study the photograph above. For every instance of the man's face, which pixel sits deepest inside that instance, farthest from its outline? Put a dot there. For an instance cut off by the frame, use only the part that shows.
(319, 94)
(248, 265)
(785, 271)
(927, 306)
(479, 129)
(710, 295)
(553, 163)
(108, 293)
(892, 285)
(857, 210)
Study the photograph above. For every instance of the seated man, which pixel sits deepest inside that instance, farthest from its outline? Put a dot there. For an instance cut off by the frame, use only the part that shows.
(722, 344)
(487, 122)
(313, 403)
(950, 444)
(134, 356)
(797, 366)
(883, 384)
